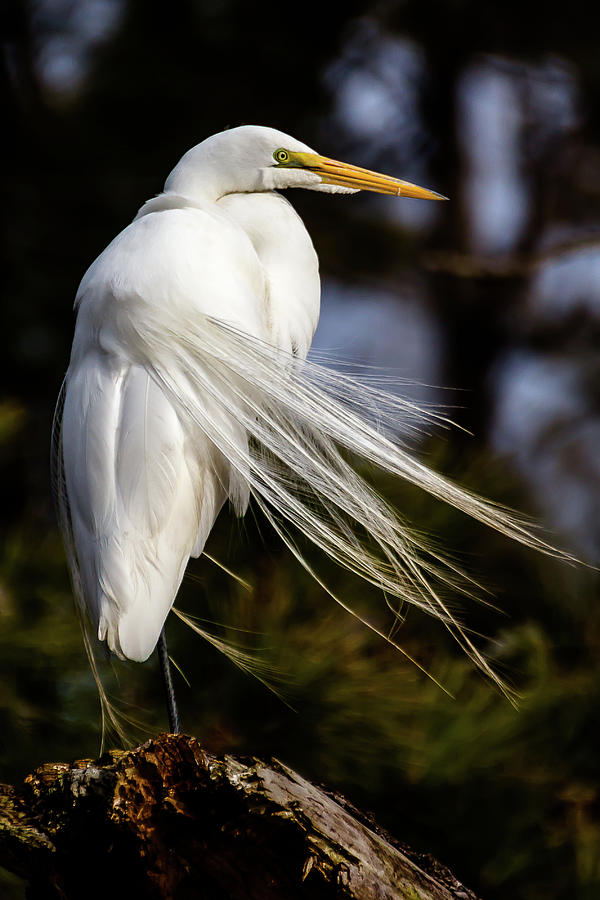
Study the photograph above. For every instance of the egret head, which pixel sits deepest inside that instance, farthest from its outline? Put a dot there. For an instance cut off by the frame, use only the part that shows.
(253, 158)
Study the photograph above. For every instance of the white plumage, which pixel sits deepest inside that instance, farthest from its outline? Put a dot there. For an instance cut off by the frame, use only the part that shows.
(187, 386)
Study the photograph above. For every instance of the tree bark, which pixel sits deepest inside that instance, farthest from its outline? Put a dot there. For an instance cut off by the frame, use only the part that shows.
(169, 820)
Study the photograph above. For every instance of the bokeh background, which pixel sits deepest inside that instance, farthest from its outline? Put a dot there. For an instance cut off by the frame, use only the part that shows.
(489, 305)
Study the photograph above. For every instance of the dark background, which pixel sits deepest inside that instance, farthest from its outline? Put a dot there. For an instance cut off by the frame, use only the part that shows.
(495, 296)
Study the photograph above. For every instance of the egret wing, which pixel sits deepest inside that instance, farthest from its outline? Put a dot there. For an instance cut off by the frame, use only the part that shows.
(142, 493)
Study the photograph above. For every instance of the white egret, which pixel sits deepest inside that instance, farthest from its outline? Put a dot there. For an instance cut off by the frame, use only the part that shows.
(188, 386)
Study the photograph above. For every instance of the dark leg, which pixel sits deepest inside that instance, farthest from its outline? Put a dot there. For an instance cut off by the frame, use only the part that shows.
(165, 671)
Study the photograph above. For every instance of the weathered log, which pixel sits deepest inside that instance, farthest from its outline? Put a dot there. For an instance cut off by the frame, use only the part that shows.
(169, 820)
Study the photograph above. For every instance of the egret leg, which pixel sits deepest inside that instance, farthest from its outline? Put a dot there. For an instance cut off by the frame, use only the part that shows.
(165, 671)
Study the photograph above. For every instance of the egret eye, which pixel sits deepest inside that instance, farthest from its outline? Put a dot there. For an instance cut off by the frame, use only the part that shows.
(281, 156)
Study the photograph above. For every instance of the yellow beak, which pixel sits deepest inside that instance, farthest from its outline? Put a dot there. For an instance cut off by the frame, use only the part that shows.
(334, 172)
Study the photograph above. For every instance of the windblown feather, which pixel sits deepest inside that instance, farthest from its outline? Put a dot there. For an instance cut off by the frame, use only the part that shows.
(299, 416)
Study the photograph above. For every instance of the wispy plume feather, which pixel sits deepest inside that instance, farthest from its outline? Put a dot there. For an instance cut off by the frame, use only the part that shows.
(304, 422)
(302, 419)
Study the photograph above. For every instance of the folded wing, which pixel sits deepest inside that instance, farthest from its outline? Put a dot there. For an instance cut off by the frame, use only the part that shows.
(143, 494)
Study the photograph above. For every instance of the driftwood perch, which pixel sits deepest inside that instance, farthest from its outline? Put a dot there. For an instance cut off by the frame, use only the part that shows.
(168, 820)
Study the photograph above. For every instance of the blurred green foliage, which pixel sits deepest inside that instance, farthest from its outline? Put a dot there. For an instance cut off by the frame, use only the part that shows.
(507, 797)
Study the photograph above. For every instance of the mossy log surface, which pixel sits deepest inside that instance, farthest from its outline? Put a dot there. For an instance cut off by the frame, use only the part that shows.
(169, 820)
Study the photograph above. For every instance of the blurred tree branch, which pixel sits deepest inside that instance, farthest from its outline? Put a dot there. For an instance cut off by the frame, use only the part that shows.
(469, 265)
